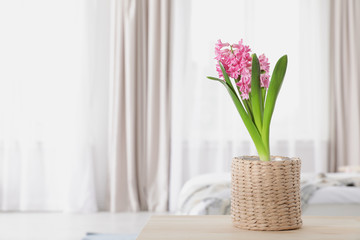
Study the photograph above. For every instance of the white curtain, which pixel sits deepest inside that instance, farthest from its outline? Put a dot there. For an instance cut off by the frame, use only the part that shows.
(206, 129)
(140, 120)
(345, 87)
(53, 105)
(54, 96)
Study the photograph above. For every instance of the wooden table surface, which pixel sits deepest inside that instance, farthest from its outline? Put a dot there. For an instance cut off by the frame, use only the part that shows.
(220, 227)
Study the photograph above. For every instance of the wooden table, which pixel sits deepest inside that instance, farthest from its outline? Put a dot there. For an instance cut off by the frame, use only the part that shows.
(220, 228)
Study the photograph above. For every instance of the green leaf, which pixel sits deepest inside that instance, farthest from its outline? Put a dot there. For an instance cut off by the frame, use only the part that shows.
(250, 126)
(272, 94)
(256, 101)
(248, 109)
(226, 76)
(214, 78)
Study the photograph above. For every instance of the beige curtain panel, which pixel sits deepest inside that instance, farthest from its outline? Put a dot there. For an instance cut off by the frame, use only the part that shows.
(140, 106)
(345, 84)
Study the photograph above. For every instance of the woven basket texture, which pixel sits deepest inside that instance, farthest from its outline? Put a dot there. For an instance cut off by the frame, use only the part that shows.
(265, 195)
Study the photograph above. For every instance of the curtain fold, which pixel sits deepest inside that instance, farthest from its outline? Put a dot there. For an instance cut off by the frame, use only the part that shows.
(140, 118)
(345, 84)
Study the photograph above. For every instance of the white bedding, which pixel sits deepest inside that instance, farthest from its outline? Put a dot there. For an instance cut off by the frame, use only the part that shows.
(207, 194)
(210, 193)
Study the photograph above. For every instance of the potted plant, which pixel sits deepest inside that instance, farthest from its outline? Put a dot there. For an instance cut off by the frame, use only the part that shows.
(265, 192)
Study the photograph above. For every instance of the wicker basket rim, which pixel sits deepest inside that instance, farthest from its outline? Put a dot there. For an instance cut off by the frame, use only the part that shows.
(273, 158)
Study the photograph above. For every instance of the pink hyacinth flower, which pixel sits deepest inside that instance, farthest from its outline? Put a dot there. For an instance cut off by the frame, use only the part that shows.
(264, 66)
(264, 63)
(236, 60)
(264, 80)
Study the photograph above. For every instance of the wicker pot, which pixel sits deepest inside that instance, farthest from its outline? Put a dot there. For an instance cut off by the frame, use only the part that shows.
(265, 195)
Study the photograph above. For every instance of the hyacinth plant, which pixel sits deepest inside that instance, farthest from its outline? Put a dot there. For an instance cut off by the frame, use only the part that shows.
(251, 89)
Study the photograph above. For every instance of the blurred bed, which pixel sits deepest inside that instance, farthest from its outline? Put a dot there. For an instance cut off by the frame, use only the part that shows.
(332, 194)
